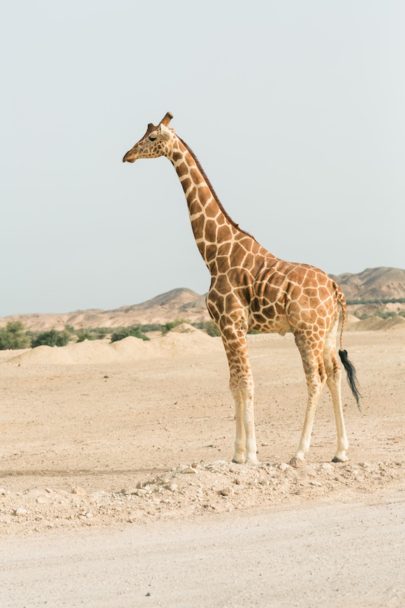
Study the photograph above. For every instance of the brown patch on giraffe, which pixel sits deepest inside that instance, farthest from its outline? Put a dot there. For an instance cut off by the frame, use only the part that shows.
(223, 284)
(204, 196)
(198, 226)
(196, 176)
(194, 207)
(182, 170)
(186, 183)
(255, 305)
(224, 234)
(210, 252)
(210, 231)
(177, 156)
(210, 210)
(223, 263)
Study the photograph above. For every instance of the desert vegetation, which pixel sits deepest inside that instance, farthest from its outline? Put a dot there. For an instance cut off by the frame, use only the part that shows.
(16, 336)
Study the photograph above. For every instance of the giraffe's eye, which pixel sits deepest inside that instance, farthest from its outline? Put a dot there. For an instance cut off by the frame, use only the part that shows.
(152, 137)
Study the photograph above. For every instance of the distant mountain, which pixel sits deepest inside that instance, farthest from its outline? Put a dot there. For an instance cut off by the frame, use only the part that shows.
(178, 303)
(373, 283)
(182, 303)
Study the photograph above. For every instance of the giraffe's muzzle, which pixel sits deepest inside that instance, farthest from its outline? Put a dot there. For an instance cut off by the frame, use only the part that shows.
(129, 157)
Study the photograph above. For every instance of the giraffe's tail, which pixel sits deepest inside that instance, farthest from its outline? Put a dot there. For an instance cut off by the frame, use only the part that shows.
(344, 357)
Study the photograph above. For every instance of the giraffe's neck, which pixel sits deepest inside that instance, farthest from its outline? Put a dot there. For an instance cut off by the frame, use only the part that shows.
(213, 229)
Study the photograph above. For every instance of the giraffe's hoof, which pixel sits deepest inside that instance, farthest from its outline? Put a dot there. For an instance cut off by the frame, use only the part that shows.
(238, 459)
(252, 460)
(337, 459)
(296, 462)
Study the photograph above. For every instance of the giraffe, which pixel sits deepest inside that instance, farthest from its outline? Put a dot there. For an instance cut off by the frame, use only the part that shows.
(251, 289)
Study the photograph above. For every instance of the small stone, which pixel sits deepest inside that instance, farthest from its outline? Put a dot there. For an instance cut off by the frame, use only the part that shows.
(140, 492)
(171, 486)
(224, 492)
(283, 466)
(3, 491)
(20, 511)
(79, 491)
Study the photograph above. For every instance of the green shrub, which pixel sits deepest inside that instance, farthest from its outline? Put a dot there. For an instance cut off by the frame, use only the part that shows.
(387, 314)
(151, 327)
(124, 332)
(51, 338)
(92, 333)
(13, 336)
(166, 327)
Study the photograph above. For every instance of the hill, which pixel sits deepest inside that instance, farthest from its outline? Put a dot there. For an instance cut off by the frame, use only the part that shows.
(178, 303)
(373, 284)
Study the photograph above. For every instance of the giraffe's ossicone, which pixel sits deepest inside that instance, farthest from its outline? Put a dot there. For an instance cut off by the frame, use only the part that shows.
(253, 289)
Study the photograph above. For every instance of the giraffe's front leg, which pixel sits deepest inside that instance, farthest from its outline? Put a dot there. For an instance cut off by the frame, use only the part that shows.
(239, 455)
(241, 384)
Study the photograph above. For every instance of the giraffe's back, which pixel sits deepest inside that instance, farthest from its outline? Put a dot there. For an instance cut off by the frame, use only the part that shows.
(292, 297)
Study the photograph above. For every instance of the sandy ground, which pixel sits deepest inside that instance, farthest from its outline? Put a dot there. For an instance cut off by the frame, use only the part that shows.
(116, 488)
(99, 435)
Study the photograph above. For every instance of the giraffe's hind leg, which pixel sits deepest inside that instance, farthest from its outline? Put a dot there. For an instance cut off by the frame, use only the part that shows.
(312, 359)
(334, 377)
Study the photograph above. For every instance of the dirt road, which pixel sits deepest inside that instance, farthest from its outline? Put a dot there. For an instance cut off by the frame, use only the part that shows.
(334, 555)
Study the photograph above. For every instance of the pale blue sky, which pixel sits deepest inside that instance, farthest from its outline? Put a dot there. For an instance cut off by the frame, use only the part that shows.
(295, 109)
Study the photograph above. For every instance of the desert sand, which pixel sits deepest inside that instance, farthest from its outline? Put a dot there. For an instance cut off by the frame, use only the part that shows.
(97, 434)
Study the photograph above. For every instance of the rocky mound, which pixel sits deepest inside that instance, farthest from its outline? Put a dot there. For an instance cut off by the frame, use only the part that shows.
(189, 490)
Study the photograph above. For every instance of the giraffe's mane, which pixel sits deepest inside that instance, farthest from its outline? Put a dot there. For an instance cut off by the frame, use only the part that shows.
(214, 194)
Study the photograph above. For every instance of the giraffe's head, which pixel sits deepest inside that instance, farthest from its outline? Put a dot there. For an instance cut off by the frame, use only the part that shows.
(157, 141)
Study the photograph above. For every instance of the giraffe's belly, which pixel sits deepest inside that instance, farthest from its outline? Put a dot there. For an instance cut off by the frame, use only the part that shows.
(277, 324)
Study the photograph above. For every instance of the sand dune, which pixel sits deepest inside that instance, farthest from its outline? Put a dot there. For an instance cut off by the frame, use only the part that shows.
(184, 340)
